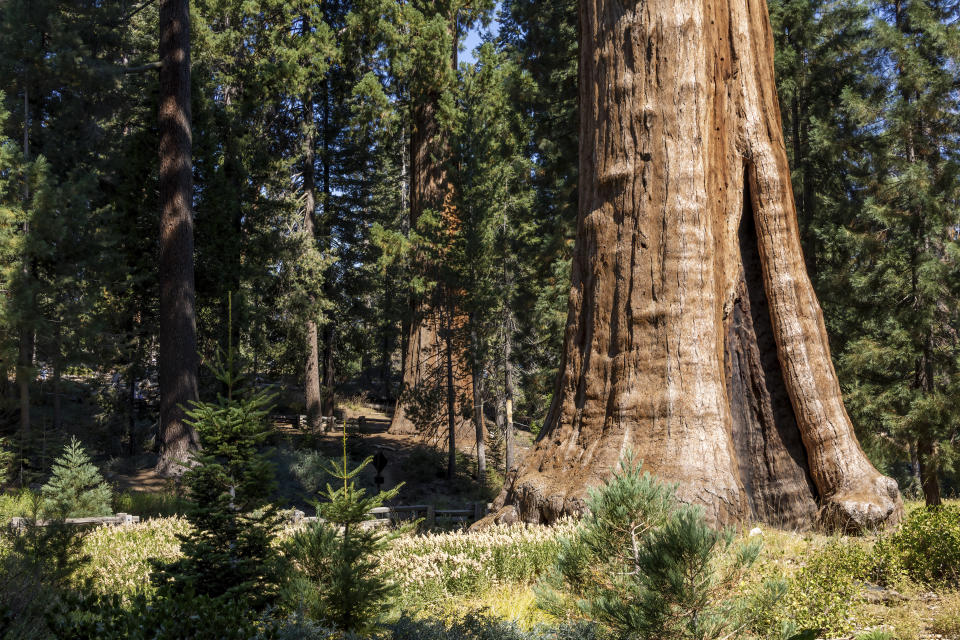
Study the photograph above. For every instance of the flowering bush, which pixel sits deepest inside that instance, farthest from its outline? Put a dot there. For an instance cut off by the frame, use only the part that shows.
(433, 566)
(120, 556)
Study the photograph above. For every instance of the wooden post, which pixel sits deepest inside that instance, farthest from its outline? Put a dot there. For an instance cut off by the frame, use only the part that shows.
(479, 510)
(431, 515)
(361, 424)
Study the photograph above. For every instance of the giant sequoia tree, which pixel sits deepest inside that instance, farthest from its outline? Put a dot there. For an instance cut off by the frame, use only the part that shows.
(431, 364)
(694, 336)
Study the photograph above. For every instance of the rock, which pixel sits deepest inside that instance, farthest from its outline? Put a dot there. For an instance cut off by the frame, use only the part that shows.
(879, 595)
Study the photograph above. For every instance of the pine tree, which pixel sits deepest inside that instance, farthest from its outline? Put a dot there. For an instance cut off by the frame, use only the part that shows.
(494, 198)
(75, 489)
(177, 355)
(229, 554)
(337, 554)
(900, 365)
(645, 566)
(542, 40)
(825, 65)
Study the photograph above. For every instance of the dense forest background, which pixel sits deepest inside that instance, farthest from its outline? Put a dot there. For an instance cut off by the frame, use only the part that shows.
(302, 183)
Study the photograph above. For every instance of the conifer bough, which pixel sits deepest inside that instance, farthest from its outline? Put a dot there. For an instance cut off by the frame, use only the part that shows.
(694, 336)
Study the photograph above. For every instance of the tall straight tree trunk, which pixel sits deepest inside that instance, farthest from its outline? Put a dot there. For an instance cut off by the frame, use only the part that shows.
(478, 409)
(926, 443)
(178, 326)
(430, 188)
(508, 435)
(57, 374)
(329, 330)
(451, 403)
(26, 338)
(926, 454)
(131, 410)
(311, 377)
(694, 337)
(328, 403)
(24, 375)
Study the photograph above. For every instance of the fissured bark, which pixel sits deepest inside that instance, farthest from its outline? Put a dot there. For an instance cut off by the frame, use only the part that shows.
(424, 363)
(694, 336)
(178, 326)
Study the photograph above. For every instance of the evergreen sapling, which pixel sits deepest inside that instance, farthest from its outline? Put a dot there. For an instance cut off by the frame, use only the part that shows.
(229, 553)
(337, 554)
(75, 489)
(645, 566)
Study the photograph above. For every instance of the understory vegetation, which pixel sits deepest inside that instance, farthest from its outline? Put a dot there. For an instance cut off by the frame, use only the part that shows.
(640, 565)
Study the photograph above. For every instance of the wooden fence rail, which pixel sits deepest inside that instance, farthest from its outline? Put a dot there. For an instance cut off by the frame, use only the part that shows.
(429, 513)
(19, 524)
(379, 516)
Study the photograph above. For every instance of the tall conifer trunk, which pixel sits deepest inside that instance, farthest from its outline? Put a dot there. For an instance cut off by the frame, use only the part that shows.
(425, 349)
(312, 395)
(478, 429)
(508, 436)
(178, 327)
(328, 382)
(694, 336)
(24, 369)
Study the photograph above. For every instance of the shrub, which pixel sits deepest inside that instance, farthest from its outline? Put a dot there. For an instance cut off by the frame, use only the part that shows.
(947, 624)
(645, 566)
(16, 503)
(122, 558)
(148, 504)
(434, 567)
(825, 591)
(337, 553)
(186, 615)
(7, 459)
(228, 551)
(37, 568)
(926, 548)
(478, 626)
(76, 489)
(424, 464)
(310, 470)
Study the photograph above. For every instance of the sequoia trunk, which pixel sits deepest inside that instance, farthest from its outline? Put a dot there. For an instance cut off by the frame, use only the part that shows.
(178, 327)
(694, 336)
(419, 408)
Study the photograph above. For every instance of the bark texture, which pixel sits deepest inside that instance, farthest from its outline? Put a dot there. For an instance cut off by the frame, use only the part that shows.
(424, 366)
(178, 327)
(694, 336)
(311, 374)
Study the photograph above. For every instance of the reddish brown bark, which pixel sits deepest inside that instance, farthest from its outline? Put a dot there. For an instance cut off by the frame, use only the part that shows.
(178, 331)
(424, 360)
(694, 336)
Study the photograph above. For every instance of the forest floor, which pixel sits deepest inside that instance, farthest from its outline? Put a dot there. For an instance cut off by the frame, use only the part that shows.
(415, 461)
(824, 586)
